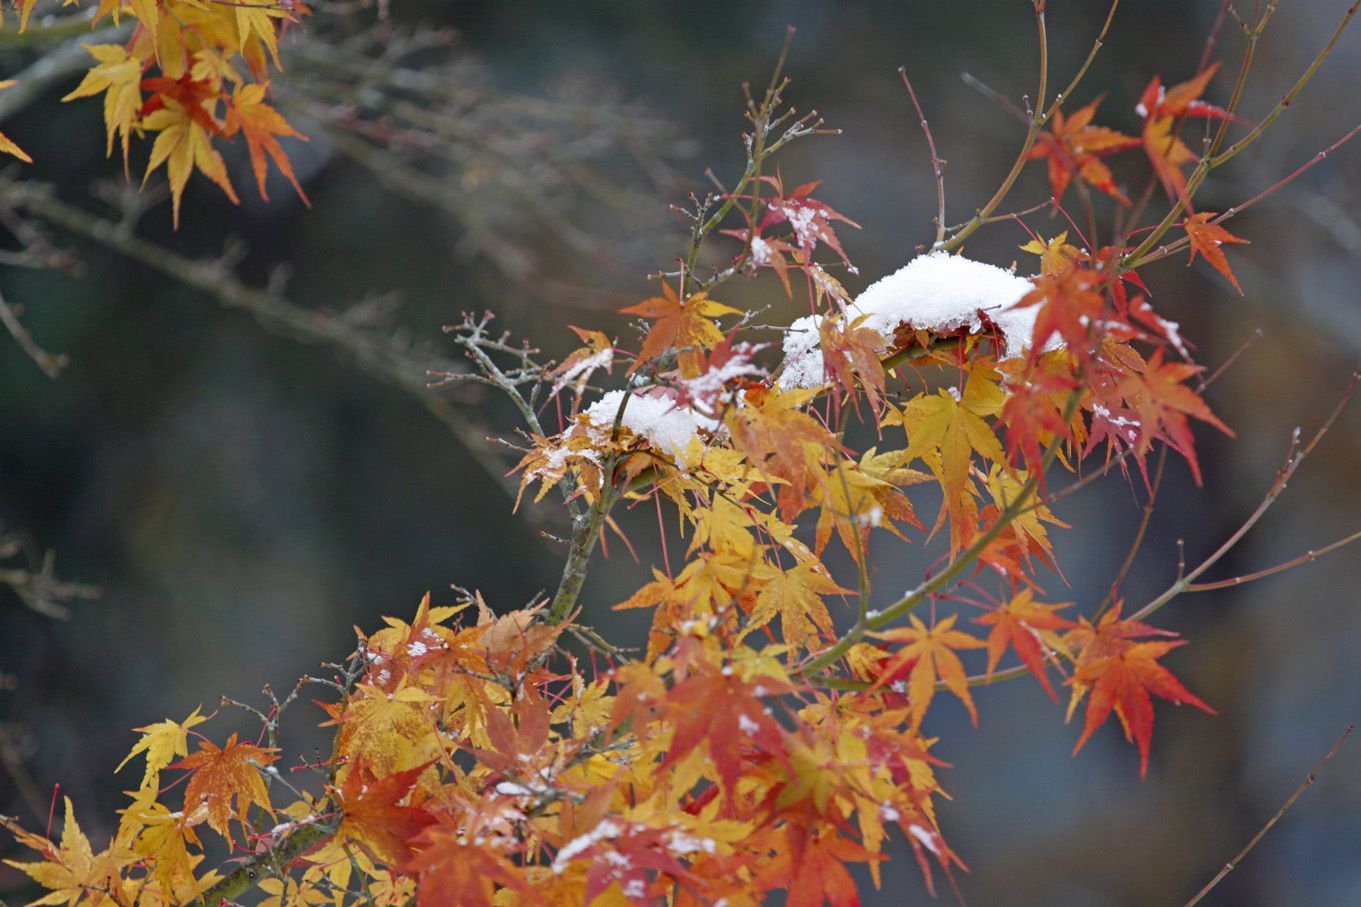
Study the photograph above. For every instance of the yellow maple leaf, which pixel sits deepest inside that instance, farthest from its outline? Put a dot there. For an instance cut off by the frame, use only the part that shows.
(181, 145)
(7, 146)
(796, 596)
(118, 75)
(931, 653)
(162, 742)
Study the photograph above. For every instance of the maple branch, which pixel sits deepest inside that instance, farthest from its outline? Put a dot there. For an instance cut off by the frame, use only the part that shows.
(1294, 457)
(936, 162)
(1270, 823)
(1210, 162)
(255, 869)
(1014, 508)
(1180, 243)
(51, 364)
(1032, 133)
(1082, 70)
(383, 357)
(1306, 558)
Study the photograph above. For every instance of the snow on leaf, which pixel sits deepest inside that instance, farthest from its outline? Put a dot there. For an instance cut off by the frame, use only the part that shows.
(939, 293)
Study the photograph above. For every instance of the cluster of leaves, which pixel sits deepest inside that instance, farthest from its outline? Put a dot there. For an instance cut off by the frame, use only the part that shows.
(193, 74)
(771, 732)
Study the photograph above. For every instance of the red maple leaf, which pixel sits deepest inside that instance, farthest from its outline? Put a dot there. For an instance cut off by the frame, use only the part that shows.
(1120, 673)
(1208, 239)
(1163, 109)
(1074, 146)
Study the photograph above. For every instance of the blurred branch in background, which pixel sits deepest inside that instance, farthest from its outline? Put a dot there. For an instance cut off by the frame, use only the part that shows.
(32, 578)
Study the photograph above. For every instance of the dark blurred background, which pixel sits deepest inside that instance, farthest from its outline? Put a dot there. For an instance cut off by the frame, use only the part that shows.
(244, 499)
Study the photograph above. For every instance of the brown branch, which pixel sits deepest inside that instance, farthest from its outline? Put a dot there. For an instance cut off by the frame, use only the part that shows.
(1270, 823)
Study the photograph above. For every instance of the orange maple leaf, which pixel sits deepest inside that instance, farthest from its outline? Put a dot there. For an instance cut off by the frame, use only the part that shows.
(1074, 146)
(931, 654)
(1028, 627)
(1208, 239)
(1163, 401)
(1162, 110)
(453, 867)
(226, 781)
(373, 816)
(261, 124)
(687, 326)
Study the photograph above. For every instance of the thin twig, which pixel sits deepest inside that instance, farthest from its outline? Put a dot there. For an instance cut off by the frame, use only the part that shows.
(1270, 823)
(936, 163)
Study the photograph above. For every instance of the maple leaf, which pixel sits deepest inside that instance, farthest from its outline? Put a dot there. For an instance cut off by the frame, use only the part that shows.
(811, 220)
(1074, 146)
(768, 252)
(945, 429)
(118, 75)
(581, 363)
(162, 742)
(726, 713)
(1208, 239)
(851, 357)
(226, 781)
(1028, 627)
(1162, 109)
(1070, 303)
(931, 654)
(7, 145)
(373, 818)
(688, 327)
(778, 437)
(815, 867)
(261, 124)
(163, 838)
(1120, 673)
(1056, 255)
(796, 596)
(72, 872)
(181, 145)
(453, 864)
(1162, 402)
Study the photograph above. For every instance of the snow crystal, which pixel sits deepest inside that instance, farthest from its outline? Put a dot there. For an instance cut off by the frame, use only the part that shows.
(747, 726)
(889, 813)
(511, 789)
(937, 292)
(665, 425)
(416, 649)
(635, 889)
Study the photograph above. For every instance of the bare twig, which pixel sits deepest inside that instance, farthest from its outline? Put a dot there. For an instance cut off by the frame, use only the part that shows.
(1270, 823)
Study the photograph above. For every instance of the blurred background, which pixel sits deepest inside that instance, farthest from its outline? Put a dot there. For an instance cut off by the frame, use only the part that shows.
(247, 478)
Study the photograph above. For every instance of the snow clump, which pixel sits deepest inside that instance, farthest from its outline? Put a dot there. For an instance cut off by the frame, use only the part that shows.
(936, 292)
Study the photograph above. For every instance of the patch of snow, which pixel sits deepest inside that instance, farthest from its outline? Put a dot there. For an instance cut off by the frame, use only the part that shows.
(655, 417)
(937, 292)
(569, 851)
